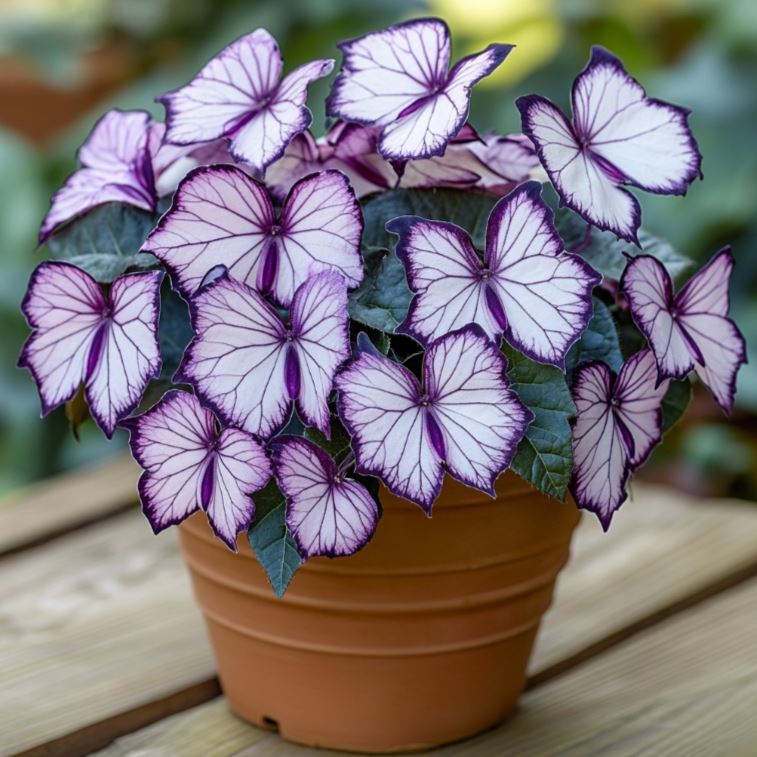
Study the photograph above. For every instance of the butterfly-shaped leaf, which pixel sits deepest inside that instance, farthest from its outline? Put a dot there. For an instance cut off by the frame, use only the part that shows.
(690, 330)
(222, 217)
(464, 419)
(399, 80)
(249, 365)
(526, 287)
(618, 136)
(189, 465)
(107, 341)
(241, 96)
(618, 423)
(115, 167)
(327, 513)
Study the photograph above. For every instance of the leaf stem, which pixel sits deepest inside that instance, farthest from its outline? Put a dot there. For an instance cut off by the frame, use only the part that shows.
(345, 464)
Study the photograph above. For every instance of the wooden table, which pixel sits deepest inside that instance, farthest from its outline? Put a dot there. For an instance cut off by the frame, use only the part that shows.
(650, 647)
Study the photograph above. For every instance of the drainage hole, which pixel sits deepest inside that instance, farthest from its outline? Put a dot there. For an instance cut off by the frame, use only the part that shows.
(270, 723)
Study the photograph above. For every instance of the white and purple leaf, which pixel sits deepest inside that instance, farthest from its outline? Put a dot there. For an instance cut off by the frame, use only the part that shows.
(464, 418)
(618, 423)
(399, 80)
(327, 513)
(618, 136)
(190, 464)
(116, 166)
(690, 330)
(222, 217)
(249, 365)
(106, 340)
(240, 96)
(526, 287)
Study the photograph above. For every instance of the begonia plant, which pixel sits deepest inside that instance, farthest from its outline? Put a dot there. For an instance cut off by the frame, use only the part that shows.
(283, 321)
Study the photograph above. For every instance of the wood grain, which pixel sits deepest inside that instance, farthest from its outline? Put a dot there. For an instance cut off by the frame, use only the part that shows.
(100, 623)
(62, 504)
(663, 548)
(91, 625)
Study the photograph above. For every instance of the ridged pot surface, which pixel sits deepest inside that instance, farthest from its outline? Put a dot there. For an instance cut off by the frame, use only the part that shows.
(421, 638)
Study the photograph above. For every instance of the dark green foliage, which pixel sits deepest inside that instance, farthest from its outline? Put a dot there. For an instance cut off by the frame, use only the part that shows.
(675, 402)
(545, 455)
(606, 253)
(105, 242)
(598, 342)
(270, 538)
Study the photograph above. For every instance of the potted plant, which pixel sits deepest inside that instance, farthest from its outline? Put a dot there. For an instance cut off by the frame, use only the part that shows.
(360, 330)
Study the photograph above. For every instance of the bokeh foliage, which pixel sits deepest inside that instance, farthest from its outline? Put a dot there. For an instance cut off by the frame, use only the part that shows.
(701, 53)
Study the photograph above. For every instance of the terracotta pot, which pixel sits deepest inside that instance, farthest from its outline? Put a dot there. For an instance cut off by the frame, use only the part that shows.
(420, 639)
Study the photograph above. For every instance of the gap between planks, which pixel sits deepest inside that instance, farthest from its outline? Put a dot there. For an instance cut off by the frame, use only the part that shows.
(649, 566)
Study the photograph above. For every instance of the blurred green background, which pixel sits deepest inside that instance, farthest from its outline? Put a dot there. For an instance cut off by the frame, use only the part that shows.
(63, 62)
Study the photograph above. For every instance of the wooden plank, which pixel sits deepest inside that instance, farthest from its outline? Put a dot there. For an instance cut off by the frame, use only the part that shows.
(687, 686)
(92, 625)
(100, 623)
(209, 730)
(665, 550)
(63, 503)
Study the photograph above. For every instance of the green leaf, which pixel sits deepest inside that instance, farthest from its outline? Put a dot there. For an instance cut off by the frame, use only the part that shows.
(598, 342)
(155, 390)
(174, 331)
(339, 444)
(105, 241)
(605, 252)
(675, 402)
(466, 208)
(545, 455)
(381, 343)
(383, 298)
(270, 538)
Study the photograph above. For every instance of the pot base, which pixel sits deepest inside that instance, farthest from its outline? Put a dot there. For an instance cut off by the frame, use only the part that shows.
(469, 696)
(421, 639)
